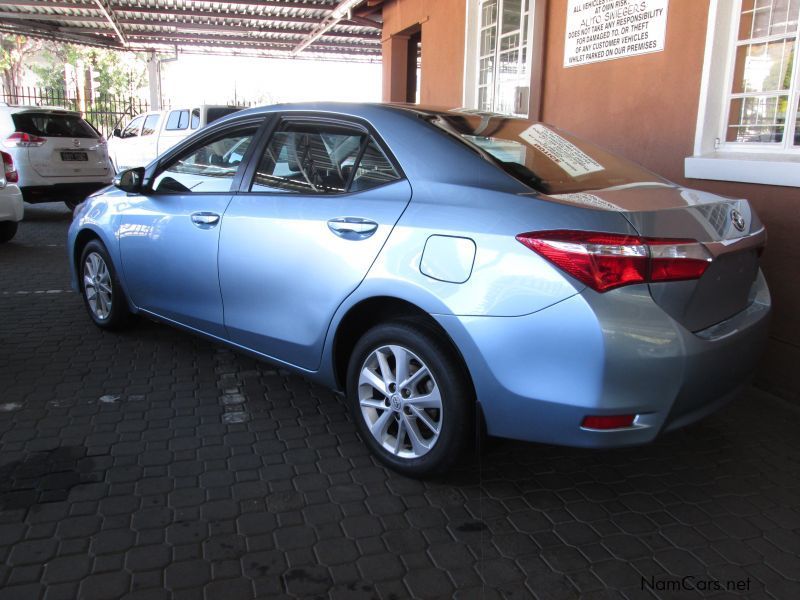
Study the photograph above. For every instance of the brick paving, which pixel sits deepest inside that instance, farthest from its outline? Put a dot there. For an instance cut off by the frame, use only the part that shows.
(153, 464)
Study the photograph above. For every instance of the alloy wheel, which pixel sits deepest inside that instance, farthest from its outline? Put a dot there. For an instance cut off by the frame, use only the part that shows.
(97, 286)
(400, 401)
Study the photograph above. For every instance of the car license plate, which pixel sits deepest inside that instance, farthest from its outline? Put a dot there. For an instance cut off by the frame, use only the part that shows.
(74, 156)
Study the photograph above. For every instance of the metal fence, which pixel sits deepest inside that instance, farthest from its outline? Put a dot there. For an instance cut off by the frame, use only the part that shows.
(104, 113)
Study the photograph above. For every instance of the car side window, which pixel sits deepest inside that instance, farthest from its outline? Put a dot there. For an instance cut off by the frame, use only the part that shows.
(210, 167)
(311, 159)
(150, 124)
(132, 129)
(178, 119)
(374, 169)
(195, 118)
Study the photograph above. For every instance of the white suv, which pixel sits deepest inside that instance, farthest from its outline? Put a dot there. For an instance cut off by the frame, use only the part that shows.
(11, 207)
(57, 154)
(150, 134)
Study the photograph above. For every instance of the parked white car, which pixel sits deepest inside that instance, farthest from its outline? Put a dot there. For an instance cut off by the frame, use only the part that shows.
(59, 157)
(153, 133)
(11, 206)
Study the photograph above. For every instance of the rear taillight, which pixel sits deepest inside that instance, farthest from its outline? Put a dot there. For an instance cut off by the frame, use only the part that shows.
(8, 168)
(19, 139)
(605, 261)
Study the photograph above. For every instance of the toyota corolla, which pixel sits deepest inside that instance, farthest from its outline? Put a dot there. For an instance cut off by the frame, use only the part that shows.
(444, 270)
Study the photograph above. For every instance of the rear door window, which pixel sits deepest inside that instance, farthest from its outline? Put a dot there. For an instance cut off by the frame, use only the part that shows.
(178, 119)
(321, 159)
(150, 124)
(195, 118)
(53, 125)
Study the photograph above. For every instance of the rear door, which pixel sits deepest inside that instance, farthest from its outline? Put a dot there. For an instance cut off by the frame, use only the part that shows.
(70, 147)
(175, 129)
(316, 206)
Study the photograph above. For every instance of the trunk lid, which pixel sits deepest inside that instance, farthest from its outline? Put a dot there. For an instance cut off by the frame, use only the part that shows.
(728, 228)
(70, 157)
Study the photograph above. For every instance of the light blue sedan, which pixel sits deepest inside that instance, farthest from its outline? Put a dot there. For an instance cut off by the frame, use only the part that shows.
(448, 271)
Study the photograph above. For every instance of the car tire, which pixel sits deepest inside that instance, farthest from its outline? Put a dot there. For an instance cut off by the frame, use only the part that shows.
(405, 426)
(103, 297)
(8, 229)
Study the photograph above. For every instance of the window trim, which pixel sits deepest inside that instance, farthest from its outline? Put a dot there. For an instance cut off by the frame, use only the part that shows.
(712, 158)
(275, 120)
(257, 122)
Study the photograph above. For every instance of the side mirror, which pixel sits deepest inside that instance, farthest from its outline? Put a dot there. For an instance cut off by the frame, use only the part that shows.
(117, 132)
(130, 180)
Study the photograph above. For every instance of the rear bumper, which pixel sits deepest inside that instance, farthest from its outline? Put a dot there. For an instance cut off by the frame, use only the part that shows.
(11, 207)
(61, 192)
(538, 376)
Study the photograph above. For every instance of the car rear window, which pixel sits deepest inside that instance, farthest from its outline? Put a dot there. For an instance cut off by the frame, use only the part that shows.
(53, 125)
(544, 158)
(218, 113)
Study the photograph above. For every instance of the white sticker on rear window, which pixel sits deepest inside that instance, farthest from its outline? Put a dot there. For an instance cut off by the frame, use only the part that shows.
(562, 152)
(587, 199)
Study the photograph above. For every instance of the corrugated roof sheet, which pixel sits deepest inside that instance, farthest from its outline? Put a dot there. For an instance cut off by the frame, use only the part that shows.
(272, 27)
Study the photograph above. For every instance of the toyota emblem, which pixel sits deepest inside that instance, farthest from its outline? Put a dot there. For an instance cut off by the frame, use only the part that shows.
(737, 219)
(76, 142)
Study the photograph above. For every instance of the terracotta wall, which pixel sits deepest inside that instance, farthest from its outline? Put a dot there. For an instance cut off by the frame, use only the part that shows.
(645, 108)
(442, 23)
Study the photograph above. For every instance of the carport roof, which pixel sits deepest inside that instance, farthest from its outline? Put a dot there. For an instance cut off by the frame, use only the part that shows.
(348, 29)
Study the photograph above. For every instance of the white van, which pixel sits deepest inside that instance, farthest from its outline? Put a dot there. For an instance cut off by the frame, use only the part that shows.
(152, 133)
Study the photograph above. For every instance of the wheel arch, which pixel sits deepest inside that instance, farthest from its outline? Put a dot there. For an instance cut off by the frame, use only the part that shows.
(85, 235)
(369, 312)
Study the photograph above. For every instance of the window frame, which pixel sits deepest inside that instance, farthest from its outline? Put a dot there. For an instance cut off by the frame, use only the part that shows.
(534, 62)
(714, 158)
(310, 118)
(787, 146)
(258, 123)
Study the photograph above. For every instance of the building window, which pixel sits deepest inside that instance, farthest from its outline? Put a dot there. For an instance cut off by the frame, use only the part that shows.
(499, 56)
(762, 106)
(747, 127)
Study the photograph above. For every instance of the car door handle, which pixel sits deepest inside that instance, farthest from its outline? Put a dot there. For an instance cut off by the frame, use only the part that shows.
(352, 228)
(205, 220)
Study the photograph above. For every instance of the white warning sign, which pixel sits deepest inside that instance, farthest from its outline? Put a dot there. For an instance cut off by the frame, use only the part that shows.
(608, 29)
(562, 152)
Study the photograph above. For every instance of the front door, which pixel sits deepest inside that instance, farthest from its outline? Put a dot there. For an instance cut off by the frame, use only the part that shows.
(321, 204)
(169, 236)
